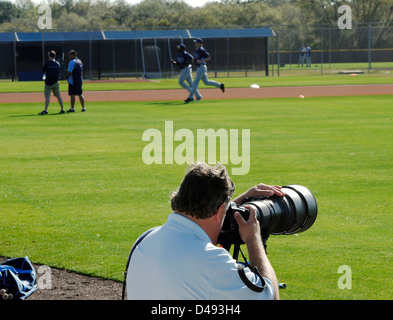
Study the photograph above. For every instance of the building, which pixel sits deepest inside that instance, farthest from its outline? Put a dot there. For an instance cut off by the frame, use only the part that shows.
(132, 53)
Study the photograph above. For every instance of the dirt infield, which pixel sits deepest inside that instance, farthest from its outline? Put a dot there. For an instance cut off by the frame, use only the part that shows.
(210, 94)
(67, 285)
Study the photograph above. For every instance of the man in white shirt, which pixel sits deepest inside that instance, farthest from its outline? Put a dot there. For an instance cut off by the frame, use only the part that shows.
(180, 259)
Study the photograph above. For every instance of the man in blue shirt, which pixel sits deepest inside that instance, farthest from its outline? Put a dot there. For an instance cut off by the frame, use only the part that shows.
(75, 79)
(308, 55)
(51, 75)
(201, 56)
(184, 61)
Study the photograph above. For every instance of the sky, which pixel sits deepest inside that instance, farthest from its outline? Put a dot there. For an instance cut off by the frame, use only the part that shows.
(193, 3)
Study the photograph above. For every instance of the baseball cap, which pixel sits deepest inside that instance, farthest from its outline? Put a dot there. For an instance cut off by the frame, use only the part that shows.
(199, 40)
(181, 46)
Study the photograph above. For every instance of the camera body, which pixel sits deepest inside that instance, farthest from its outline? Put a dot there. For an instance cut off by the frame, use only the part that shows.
(293, 213)
(229, 233)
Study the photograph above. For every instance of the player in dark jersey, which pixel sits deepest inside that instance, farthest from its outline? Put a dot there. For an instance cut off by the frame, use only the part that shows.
(75, 79)
(201, 56)
(51, 75)
(184, 61)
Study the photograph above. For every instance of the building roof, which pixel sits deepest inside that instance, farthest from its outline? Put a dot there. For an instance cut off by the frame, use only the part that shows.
(136, 35)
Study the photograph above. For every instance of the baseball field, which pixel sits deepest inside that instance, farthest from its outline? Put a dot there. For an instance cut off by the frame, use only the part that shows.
(75, 191)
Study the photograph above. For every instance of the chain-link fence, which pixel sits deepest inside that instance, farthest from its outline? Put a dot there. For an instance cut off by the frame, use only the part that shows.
(363, 49)
(238, 51)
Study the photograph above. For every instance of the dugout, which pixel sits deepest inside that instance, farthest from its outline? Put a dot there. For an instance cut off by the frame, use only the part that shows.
(142, 53)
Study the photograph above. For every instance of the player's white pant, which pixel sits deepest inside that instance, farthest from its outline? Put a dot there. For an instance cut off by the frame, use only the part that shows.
(308, 61)
(201, 74)
(186, 76)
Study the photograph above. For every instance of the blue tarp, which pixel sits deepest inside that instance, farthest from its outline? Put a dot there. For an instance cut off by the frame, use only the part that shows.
(144, 34)
(136, 35)
(29, 36)
(232, 33)
(59, 36)
(6, 37)
(73, 36)
(192, 33)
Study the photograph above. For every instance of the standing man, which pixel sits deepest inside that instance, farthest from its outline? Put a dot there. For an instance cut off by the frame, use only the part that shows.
(74, 78)
(184, 61)
(51, 72)
(308, 55)
(301, 51)
(201, 56)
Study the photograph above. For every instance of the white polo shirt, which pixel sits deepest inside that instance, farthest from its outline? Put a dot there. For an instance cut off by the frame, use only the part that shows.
(178, 261)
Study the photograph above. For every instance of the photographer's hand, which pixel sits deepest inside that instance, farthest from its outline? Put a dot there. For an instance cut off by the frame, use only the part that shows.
(249, 230)
(260, 190)
(250, 233)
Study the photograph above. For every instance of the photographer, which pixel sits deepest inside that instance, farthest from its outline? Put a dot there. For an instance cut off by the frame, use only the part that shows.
(180, 259)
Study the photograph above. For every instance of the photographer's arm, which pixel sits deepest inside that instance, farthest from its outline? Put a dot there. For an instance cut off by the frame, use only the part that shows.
(260, 190)
(250, 233)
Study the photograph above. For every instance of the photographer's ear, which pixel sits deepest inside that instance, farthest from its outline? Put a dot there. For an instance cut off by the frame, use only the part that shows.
(221, 211)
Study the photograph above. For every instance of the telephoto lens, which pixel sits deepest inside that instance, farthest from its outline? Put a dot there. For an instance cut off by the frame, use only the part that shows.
(293, 213)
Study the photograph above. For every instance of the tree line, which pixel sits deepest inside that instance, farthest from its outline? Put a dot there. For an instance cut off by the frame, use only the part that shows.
(68, 15)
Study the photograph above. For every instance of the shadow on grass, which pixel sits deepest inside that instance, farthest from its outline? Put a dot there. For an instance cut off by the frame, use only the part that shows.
(169, 103)
(37, 115)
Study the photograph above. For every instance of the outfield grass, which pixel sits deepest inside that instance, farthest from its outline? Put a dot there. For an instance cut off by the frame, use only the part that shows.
(75, 193)
(382, 68)
(348, 65)
(231, 82)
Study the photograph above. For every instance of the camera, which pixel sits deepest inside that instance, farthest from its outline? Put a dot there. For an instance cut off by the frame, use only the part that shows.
(294, 212)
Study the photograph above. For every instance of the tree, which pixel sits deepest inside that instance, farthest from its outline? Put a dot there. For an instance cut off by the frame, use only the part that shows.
(8, 11)
(67, 4)
(380, 11)
(121, 12)
(363, 13)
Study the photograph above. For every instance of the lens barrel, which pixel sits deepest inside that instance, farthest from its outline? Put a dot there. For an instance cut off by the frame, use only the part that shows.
(293, 213)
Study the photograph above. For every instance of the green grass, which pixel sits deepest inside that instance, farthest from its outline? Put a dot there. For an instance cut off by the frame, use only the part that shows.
(231, 82)
(75, 193)
(347, 66)
(375, 66)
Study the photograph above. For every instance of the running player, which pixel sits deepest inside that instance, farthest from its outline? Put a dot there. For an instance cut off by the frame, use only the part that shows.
(201, 56)
(184, 61)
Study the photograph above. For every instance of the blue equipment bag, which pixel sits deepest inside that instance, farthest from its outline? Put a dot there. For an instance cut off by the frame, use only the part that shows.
(18, 277)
